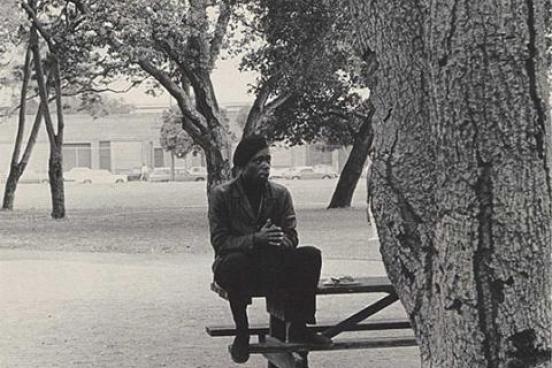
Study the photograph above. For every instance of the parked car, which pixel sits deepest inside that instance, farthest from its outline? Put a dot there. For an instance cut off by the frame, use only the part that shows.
(163, 174)
(134, 174)
(277, 173)
(198, 172)
(87, 175)
(160, 174)
(326, 171)
(32, 177)
(309, 172)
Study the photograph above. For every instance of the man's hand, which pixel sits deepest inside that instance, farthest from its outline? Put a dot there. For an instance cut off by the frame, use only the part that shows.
(270, 234)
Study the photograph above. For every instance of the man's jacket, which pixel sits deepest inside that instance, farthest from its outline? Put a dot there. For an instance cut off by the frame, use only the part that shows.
(232, 220)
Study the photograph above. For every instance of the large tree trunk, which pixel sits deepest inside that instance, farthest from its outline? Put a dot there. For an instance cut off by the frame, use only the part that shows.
(460, 181)
(348, 179)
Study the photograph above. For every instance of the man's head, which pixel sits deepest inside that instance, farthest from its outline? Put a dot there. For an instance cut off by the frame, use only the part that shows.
(252, 159)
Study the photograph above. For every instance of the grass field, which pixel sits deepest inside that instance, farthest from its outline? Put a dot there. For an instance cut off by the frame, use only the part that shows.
(170, 218)
(123, 280)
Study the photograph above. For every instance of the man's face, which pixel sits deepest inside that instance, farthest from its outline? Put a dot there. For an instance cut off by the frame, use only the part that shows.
(257, 169)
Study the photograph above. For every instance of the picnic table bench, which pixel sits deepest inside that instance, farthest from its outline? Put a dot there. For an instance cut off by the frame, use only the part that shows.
(273, 341)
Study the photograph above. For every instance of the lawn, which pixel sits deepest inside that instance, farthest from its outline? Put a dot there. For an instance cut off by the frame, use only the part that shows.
(170, 218)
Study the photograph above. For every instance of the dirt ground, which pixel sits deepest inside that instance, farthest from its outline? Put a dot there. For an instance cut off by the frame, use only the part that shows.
(125, 283)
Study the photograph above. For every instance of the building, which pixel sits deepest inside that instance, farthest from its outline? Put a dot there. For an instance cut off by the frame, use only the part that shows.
(121, 143)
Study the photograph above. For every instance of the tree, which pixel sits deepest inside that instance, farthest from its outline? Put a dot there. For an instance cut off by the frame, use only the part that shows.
(460, 180)
(177, 43)
(173, 138)
(310, 77)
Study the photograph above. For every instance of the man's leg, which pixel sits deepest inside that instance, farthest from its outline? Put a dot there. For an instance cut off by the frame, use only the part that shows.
(303, 266)
(235, 273)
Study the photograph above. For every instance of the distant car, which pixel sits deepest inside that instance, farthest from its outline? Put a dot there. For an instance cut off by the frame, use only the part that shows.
(163, 174)
(326, 171)
(198, 172)
(86, 175)
(309, 172)
(277, 173)
(160, 174)
(134, 174)
(32, 177)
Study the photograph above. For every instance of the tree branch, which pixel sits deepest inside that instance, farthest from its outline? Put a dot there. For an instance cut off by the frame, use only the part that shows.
(194, 125)
(277, 102)
(256, 112)
(59, 105)
(199, 38)
(45, 35)
(225, 11)
(42, 88)
(33, 135)
(23, 103)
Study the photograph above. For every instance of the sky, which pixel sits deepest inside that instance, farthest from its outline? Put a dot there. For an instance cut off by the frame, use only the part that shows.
(230, 85)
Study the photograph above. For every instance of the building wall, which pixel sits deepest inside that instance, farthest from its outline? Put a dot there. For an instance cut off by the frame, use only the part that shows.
(121, 143)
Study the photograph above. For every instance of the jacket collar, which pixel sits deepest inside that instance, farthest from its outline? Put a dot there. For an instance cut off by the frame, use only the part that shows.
(238, 194)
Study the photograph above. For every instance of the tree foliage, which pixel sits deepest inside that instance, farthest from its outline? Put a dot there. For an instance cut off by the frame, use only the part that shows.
(173, 138)
(307, 56)
(176, 45)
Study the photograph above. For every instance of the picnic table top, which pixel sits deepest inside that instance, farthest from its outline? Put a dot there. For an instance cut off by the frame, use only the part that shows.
(366, 284)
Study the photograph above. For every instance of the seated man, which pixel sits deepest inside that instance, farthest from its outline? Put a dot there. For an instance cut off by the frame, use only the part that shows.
(252, 224)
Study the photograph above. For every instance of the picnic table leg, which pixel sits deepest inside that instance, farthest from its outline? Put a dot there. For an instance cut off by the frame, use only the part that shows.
(277, 329)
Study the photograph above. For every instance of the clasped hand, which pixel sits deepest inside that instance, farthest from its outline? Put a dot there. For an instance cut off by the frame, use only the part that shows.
(270, 234)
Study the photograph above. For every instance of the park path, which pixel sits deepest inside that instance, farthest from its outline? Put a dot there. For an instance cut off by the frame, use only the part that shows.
(64, 309)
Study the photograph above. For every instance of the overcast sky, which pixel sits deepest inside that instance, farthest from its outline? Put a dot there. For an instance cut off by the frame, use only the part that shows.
(230, 86)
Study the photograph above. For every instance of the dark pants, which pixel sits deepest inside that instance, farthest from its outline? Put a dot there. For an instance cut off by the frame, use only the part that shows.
(295, 272)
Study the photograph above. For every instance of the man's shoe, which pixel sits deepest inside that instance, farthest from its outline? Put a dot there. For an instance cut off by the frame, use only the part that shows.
(239, 351)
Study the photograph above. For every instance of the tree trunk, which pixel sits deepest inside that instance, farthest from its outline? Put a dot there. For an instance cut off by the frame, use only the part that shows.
(460, 180)
(348, 179)
(217, 158)
(18, 167)
(55, 173)
(10, 187)
(171, 177)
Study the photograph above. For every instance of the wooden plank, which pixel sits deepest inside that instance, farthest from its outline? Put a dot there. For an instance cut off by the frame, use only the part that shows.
(262, 328)
(361, 285)
(284, 359)
(351, 321)
(372, 284)
(341, 344)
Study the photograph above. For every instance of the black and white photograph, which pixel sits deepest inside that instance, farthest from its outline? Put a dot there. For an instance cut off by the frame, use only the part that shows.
(275, 183)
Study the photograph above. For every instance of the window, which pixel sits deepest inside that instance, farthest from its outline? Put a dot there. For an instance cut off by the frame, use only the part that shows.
(105, 155)
(158, 157)
(76, 155)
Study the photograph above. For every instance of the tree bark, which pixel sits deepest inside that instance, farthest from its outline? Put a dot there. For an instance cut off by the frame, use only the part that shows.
(460, 181)
(171, 176)
(350, 175)
(57, 191)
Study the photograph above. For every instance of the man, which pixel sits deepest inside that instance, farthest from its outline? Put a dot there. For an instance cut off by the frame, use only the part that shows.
(252, 224)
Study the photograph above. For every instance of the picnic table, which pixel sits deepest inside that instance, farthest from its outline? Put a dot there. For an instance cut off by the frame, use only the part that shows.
(273, 338)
